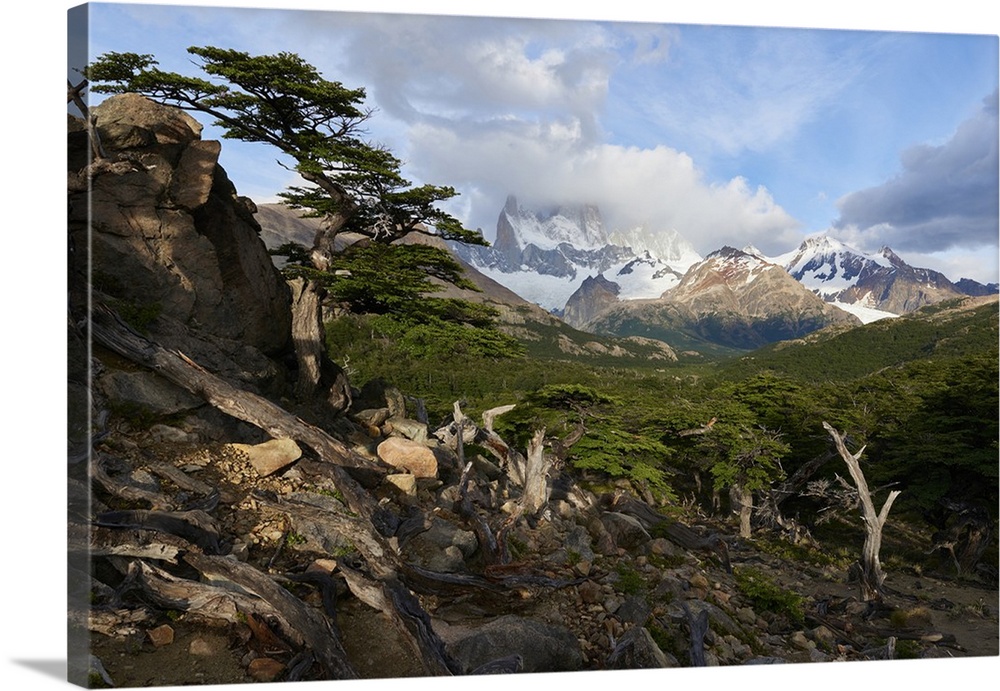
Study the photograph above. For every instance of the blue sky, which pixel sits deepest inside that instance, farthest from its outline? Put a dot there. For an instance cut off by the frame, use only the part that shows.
(727, 134)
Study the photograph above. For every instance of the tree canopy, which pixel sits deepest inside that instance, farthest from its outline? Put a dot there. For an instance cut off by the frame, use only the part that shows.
(282, 100)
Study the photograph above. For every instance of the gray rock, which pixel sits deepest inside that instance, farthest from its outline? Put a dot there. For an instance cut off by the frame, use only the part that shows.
(448, 560)
(542, 647)
(148, 391)
(635, 610)
(166, 433)
(626, 531)
(578, 541)
(411, 429)
(638, 650)
(443, 546)
(719, 622)
(144, 480)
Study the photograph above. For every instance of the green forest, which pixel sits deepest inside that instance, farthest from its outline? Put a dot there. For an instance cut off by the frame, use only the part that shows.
(919, 393)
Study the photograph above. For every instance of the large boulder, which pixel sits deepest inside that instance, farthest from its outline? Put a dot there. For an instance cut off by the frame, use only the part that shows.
(542, 647)
(410, 456)
(626, 531)
(172, 245)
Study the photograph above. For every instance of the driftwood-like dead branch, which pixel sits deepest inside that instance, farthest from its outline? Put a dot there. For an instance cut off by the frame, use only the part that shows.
(111, 332)
(123, 489)
(561, 447)
(196, 526)
(394, 599)
(478, 524)
(493, 413)
(315, 630)
(694, 431)
(374, 548)
(872, 576)
(181, 479)
(246, 592)
(698, 625)
(106, 542)
(673, 530)
(537, 466)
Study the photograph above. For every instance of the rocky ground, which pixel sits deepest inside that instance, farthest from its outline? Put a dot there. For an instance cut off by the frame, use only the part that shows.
(601, 589)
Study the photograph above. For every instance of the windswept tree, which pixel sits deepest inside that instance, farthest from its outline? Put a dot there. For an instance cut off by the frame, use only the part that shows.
(281, 100)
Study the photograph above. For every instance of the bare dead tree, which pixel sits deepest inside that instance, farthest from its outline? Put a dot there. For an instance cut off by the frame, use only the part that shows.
(74, 95)
(872, 576)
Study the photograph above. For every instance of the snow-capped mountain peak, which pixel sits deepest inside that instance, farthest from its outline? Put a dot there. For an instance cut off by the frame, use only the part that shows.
(544, 256)
(580, 226)
(828, 266)
(870, 285)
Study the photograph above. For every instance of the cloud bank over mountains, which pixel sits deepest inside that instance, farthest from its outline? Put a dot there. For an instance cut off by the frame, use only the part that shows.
(726, 134)
(944, 198)
(519, 106)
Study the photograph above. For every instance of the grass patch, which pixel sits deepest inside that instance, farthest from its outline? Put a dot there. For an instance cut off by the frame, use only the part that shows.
(766, 595)
(630, 581)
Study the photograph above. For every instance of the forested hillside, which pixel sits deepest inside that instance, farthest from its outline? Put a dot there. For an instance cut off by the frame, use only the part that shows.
(920, 391)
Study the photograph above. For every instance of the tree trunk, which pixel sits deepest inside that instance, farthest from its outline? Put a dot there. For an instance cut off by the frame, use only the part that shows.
(112, 333)
(872, 576)
(307, 335)
(536, 476)
(742, 503)
(319, 378)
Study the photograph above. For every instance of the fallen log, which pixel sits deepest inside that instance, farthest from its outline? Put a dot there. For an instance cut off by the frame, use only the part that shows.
(106, 542)
(181, 479)
(391, 597)
(122, 489)
(675, 531)
(111, 332)
(196, 526)
(233, 603)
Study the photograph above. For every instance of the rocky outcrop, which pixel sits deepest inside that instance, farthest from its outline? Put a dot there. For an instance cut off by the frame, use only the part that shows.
(171, 244)
(594, 294)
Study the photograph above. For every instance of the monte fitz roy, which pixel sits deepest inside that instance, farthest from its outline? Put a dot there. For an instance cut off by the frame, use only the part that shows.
(640, 280)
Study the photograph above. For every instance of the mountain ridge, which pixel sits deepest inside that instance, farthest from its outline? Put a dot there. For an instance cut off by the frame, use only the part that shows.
(545, 256)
